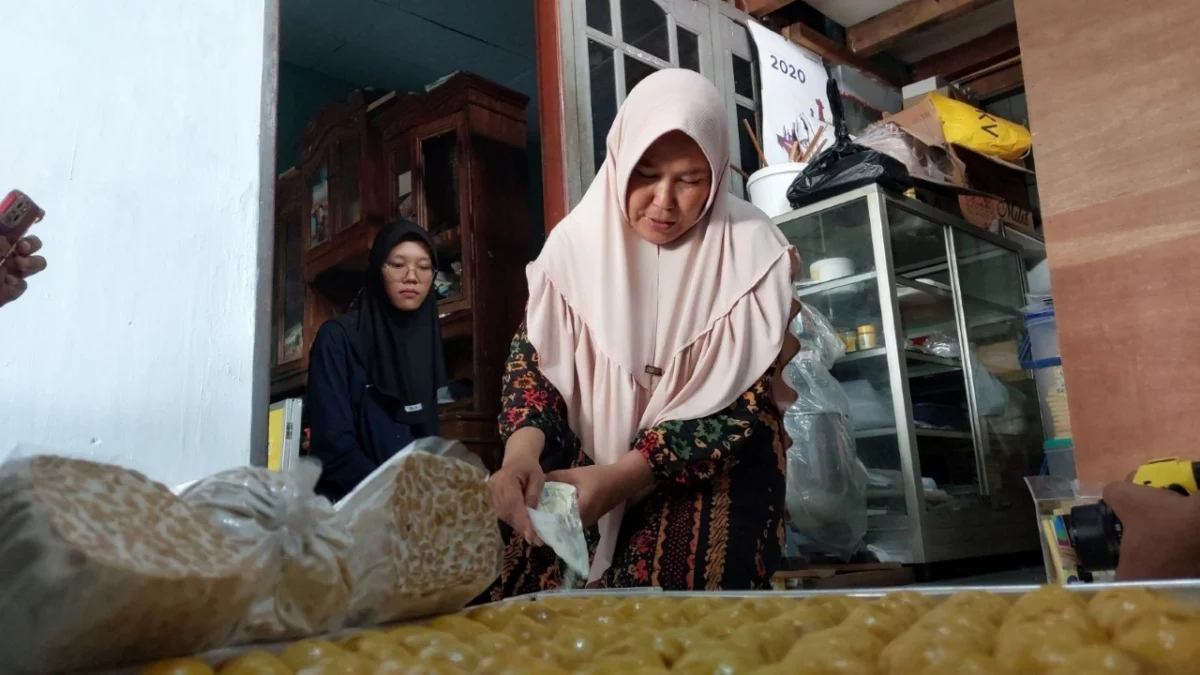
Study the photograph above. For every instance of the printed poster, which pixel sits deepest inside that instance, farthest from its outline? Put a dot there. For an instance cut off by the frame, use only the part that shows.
(794, 103)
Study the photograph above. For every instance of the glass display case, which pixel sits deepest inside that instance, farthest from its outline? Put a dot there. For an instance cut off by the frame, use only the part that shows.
(946, 421)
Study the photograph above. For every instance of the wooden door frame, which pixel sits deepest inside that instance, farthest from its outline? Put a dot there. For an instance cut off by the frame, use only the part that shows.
(551, 118)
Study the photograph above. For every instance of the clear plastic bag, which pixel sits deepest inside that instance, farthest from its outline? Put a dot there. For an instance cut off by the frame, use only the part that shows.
(103, 567)
(826, 484)
(426, 539)
(303, 582)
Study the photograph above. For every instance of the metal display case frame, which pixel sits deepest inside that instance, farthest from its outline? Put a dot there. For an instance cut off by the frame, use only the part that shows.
(989, 525)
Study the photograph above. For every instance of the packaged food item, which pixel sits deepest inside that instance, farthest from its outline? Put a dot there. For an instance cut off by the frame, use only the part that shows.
(426, 540)
(302, 581)
(103, 566)
(556, 520)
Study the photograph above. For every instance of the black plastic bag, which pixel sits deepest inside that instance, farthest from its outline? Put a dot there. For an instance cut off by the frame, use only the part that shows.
(845, 166)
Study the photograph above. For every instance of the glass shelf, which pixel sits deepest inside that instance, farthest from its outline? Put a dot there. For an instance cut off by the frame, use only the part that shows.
(919, 431)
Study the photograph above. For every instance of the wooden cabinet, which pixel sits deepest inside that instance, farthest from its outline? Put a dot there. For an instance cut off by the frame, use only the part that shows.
(340, 161)
(460, 151)
(454, 161)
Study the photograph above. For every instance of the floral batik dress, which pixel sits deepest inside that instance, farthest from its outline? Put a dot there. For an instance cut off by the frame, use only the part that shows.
(715, 519)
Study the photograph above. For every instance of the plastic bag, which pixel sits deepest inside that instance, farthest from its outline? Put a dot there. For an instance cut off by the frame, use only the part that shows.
(556, 520)
(426, 540)
(103, 566)
(923, 161)
(964, 124)
(845, 166)
(303, 581)
(826, 484)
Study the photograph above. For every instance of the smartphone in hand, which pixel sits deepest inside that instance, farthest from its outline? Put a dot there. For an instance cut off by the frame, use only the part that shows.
(18, 213)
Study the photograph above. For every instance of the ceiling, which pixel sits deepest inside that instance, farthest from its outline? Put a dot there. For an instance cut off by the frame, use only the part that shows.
(933, 40)
(406, 44)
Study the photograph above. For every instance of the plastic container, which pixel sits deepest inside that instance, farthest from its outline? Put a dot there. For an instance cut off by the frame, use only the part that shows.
(1052, 397)
(1043, 336)
(1059, 457)
(768, 187)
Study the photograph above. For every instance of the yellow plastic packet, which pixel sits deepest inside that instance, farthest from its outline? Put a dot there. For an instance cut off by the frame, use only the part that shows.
(965, 125)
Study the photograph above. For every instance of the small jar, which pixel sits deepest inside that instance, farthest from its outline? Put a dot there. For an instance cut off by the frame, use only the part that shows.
(849, 339)
(866, 337)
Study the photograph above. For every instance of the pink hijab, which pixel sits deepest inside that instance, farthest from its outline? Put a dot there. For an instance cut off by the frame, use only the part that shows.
(607, 308)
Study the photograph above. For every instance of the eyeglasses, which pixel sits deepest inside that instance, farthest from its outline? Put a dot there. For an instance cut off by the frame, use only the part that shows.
(400, 271)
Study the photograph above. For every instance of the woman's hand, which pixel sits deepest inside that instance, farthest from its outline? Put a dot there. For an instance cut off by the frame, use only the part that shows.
(518, 483)
(604, 488)
(1161, 532)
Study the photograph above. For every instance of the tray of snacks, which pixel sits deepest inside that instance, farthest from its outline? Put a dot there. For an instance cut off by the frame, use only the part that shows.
(1056, 630)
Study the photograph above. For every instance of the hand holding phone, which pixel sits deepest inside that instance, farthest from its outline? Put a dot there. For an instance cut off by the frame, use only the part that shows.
(18, 213)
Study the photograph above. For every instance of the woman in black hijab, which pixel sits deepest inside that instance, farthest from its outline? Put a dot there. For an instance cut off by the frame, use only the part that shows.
(374, 373)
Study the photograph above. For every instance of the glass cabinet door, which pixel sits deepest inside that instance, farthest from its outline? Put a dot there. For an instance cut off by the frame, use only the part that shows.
(290, 312)
(440, 209)
(318, 216)
(349, 162)
(992, 291)
(838, 279)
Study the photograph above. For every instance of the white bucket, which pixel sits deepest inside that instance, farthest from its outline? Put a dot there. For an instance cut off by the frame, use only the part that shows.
(768, 187)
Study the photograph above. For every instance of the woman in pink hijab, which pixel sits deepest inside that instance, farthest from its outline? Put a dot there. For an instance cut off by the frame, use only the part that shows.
(642, 374)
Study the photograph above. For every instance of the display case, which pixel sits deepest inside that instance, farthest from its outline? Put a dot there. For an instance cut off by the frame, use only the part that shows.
(947, 433)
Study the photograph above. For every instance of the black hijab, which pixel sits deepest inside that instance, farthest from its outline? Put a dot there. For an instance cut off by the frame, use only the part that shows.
(402, 351)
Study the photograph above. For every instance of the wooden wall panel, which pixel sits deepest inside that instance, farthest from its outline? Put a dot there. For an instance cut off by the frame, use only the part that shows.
(1114, 101)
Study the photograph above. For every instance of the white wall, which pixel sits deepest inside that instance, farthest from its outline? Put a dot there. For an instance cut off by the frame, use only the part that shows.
(139, 126)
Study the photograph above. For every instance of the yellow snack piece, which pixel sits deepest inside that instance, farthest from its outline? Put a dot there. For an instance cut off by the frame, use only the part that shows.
(1168, 639)
(772, 641)
(883, 621)
(343, 664)
(921, 650)
(1114, 607)
(376, 646)
(805, 619)
(300, 655)
(1036, 647)
(716, 661)
(838, 607)
(453, 653)
(910, 605)
(417, 635)
(254, 663)
(986, 605)
(969, 664)
(862, 644)
(459, 626)
(831, 663)
(523, 629)
(764, 606)
(1099, 660)
(495, 617)
(177, 667)
(1045, 600)
(664, 646)
(696, 608)
(490, 642)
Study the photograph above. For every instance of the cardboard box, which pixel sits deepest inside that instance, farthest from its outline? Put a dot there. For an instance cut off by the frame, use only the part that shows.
(980, 172)
(981, 210)
(986, 211)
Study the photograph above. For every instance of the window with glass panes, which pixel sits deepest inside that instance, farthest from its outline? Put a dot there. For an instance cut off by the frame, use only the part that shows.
(611, 45)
